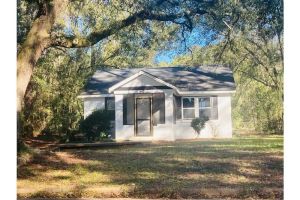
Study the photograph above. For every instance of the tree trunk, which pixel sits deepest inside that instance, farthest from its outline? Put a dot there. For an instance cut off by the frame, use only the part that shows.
(37, 40)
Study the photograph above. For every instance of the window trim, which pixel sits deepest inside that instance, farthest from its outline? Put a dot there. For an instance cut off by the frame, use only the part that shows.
(182, 108)
(197, 107)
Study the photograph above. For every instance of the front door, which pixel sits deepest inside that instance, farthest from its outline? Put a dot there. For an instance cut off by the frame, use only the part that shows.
(143, 116)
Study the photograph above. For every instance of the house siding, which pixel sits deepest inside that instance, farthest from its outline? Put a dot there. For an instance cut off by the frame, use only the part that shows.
(171, 130)
(221, 128)
(165, 131)
(123, 132)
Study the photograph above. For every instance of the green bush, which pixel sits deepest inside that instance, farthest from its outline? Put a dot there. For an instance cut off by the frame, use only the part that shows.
(198, 124)
(103, 135)
(97, 125)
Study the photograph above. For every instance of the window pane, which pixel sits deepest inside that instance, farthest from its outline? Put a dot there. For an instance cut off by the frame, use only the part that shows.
(188, 102)
(204, 102)
(188, 113)
(205, 112)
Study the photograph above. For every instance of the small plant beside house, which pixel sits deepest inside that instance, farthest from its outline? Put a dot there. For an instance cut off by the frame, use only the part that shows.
(97, 125)
(198, 124)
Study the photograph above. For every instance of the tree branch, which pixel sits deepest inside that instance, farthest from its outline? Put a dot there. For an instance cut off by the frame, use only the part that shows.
(257, 79)
(95, 37)
(265, 67)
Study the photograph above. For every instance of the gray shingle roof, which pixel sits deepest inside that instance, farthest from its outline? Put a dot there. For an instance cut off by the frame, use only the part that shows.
(202, 78)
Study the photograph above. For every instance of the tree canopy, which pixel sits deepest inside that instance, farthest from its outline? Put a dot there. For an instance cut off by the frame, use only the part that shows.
(62, 42)
(76, 24)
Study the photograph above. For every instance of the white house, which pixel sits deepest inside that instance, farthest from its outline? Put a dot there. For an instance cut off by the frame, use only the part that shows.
(159, 103)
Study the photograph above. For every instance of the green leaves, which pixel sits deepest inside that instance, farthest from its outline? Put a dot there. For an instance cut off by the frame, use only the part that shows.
(97, 124)
(248, 35)
(254, 51)
(199, 123)
(51, 103)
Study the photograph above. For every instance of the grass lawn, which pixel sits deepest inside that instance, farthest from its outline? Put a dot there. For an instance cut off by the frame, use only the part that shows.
(242, 167)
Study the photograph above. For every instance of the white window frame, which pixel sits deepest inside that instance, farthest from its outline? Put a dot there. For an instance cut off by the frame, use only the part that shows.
(188, 108)
(196, 107)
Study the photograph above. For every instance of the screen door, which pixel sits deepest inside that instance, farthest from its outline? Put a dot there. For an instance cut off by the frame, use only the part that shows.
(143, 116)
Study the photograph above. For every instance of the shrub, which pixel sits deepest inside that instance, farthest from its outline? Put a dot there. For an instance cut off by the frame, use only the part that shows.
(103, 135)
(198, 124)
(97, 125)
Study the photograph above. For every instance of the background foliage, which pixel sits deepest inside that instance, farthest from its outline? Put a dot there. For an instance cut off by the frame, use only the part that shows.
(52, 106)
(248, 38)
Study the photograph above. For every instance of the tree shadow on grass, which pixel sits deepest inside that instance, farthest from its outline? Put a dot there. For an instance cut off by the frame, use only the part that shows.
(169, 169)
(174, 171)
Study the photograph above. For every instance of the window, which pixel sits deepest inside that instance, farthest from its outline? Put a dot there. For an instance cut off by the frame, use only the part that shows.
(204, 107)
(109, 103)
(188, 108)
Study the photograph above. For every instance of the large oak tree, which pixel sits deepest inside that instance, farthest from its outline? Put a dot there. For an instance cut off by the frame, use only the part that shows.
(49, 25)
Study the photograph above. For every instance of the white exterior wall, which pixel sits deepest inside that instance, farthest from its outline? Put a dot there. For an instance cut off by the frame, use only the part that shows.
(225, 122)
(160, 131)
(92, 104)
(123, 132)
(165, 131)
(220, 128)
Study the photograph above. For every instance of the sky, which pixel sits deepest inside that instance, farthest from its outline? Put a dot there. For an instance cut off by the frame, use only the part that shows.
(194, 38)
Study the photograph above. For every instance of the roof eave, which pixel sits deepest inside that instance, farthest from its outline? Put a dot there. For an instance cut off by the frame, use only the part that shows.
(208, 92)
(83, 96)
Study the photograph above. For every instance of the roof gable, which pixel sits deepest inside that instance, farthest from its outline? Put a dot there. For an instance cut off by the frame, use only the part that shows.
(184, 79)
(140, 79)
